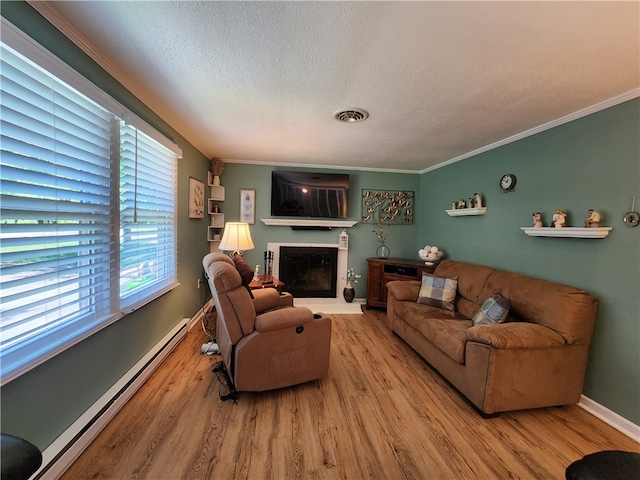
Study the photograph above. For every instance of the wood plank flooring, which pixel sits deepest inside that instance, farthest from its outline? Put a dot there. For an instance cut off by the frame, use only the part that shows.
(381, 413)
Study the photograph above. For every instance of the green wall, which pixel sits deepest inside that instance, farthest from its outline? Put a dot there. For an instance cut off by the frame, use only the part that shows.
(362, 242)
(42, 403)
(592, 162)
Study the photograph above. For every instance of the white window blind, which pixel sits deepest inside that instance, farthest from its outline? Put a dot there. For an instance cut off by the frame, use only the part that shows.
(147, 217)
(88, 215)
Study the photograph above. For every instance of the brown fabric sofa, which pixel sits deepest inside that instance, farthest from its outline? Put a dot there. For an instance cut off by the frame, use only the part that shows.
(538, 358)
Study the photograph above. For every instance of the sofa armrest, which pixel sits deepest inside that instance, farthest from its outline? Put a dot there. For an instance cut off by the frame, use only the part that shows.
(283, 318)
(404, 290)
(515, 335)
(268, 298)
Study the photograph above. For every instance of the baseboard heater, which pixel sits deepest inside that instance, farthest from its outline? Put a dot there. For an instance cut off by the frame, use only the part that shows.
(66, 449)
(309, 227)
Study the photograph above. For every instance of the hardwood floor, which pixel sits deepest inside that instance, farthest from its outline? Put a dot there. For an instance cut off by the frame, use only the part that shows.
(382, 412)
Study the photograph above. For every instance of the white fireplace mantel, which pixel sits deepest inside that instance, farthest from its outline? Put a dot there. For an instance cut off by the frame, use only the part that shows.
(343, 260)
(325, 305)
(290, 222)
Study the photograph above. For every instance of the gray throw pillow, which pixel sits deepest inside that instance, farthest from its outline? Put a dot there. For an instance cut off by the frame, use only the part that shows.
(494, 310)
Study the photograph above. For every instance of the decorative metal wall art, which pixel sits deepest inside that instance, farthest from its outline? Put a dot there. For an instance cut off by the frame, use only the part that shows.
(389, 207)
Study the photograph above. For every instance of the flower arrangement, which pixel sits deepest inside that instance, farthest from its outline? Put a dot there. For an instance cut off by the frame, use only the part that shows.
(379, 233)
(352, 276)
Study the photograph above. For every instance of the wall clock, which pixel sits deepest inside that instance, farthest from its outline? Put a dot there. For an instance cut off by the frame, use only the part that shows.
(508, 182)
(632, 218)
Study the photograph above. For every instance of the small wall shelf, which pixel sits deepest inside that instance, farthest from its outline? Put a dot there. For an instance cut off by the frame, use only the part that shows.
(217, 220)
(214, 231)
(459, 212)
(210, 206)
(567, 232)
(217, 193)
(211, 234)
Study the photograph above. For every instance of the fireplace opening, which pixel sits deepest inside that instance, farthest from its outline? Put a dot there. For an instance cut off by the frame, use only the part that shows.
(309, 272)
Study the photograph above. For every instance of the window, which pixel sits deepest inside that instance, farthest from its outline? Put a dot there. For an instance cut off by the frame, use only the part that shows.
(88, 211)
(147, 216)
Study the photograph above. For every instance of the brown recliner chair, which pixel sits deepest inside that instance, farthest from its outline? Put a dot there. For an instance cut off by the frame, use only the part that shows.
(265, 345)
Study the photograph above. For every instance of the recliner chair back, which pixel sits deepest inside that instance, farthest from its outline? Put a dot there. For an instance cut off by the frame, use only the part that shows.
(236, 312)
(265, 343)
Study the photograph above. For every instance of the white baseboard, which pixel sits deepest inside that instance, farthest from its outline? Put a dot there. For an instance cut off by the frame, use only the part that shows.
(625, 426)
(64, 450)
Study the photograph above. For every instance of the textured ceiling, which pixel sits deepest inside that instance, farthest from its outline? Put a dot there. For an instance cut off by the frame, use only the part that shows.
(260, 81)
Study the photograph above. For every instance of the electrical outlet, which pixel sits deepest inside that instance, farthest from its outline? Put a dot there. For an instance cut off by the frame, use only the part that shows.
(199, 282)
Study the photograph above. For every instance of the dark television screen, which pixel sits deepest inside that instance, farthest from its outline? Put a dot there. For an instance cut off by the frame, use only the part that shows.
(307, 194)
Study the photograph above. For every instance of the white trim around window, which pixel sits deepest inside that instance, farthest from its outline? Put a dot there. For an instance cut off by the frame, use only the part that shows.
(88, 225)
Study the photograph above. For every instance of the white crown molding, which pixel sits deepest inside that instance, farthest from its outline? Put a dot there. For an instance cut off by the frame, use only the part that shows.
(318, 165)
(48, 12)
(611, 102)
(46, 9)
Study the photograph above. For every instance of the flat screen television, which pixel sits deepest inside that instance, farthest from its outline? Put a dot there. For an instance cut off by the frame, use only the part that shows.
(308, 194)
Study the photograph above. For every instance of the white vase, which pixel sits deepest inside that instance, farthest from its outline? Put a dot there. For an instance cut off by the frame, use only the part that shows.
(216, 180)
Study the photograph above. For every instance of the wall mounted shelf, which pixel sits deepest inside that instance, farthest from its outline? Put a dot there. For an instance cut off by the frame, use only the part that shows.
(287, 222)
(214, 231)
(567, 232)
(459, 212)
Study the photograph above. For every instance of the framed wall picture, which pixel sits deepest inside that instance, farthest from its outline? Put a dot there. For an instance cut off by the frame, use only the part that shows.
(248, 206)
(196, 198)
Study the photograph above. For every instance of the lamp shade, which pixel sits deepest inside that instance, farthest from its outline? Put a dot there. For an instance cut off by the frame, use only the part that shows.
(236, 237)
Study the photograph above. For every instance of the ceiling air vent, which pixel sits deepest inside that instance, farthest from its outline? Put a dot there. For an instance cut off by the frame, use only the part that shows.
(351, 115)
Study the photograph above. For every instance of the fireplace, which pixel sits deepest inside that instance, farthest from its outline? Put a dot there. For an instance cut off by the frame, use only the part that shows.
(309, 272)
(318, 269)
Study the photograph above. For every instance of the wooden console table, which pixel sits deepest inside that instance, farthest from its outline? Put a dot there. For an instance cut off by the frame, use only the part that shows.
(380, 271)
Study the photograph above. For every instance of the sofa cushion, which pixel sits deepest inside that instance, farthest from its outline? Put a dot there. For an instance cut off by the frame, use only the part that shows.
(438, 292)
(471, 279)
(515, 335)
(466, 307)
(448, 334)
(445, 329)
(403, 290)
(567, 310)
(495, 309)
